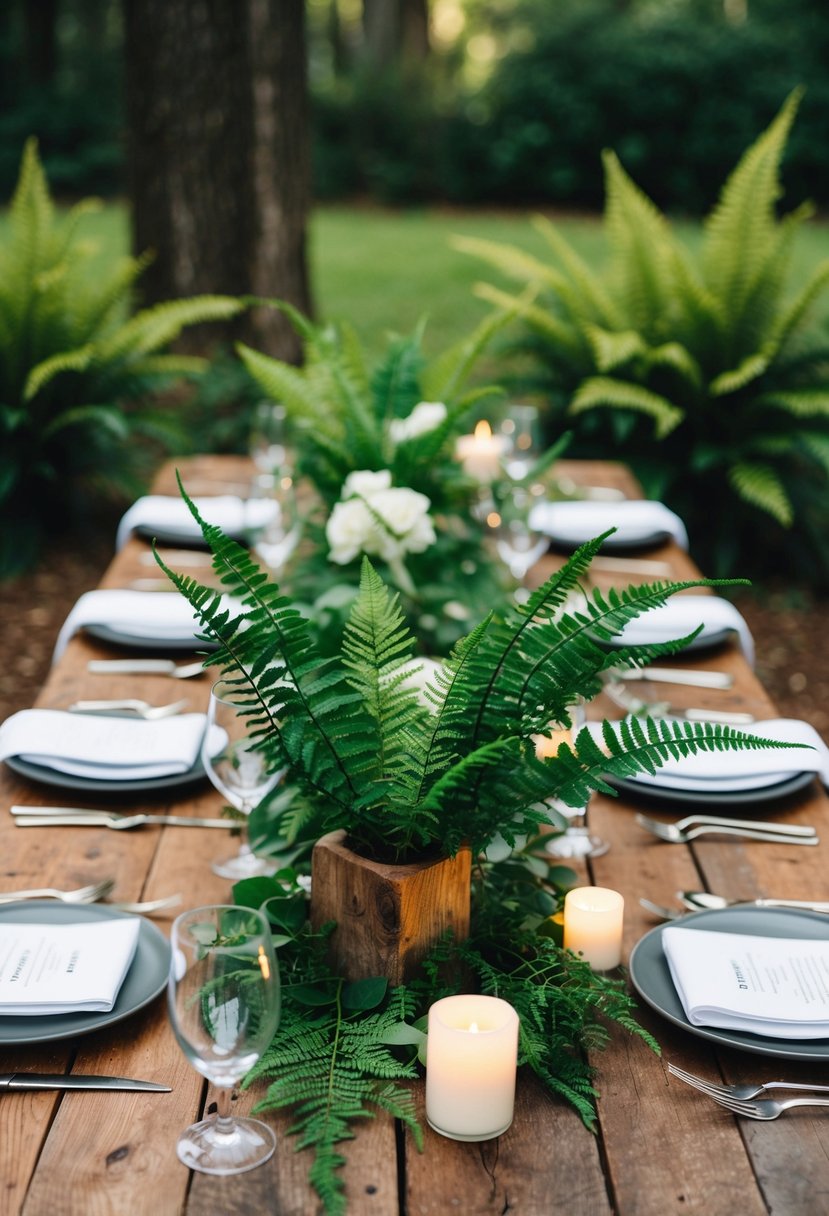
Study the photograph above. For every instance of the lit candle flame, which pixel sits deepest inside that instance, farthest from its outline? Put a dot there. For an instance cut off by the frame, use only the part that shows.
(473, 1027)
(483, 430)
(264, 965)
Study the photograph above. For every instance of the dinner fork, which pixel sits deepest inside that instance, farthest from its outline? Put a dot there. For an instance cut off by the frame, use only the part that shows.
(83, 895)
(674, 835)
(161, 667)
(148, 906)
(740, 1093)
(759, 825)
(766, 1108)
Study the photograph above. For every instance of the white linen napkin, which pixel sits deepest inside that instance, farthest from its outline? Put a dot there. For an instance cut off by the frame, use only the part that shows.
(66, 968)
(165, 615)
(232, 514)
(684, 613)
(713, 772)
(103, 748)
(775, 986)
(635, 520)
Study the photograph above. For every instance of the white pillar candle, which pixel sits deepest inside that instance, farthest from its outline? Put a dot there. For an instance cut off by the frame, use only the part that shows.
(471, 1060)
(593, 920)
(481, 453)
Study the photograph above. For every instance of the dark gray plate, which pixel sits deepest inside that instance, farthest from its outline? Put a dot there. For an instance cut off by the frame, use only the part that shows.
(765, 793)
(184, 538)
(71, 781)
(651, 976)
(146, 978)
(116, 637)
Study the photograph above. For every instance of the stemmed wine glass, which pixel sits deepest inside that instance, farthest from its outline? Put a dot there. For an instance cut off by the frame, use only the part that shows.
(576, 841)
(518, 544)
(224, 1004)
(521, 429)
(268, 440)
(273, 533)
(238, 768)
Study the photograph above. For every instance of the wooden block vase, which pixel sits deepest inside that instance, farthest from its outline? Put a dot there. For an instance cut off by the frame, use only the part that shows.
(388, 916)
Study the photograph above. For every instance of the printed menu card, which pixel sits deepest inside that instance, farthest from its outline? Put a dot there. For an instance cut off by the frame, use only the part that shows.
(776, 986)
(64, 968)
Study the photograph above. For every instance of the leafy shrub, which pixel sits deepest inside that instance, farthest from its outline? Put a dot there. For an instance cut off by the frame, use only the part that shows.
(75, 370)
(695, 370)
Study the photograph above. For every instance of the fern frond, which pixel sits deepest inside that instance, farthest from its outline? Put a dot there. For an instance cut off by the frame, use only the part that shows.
(620, 394)
(560, 334)
(738, 229)
(751, 368)
(801, 402)
(590, 286)
(614, 349)
(443, 378)
(515, 263)
(760, 485)
(155, 327)
(65, 361)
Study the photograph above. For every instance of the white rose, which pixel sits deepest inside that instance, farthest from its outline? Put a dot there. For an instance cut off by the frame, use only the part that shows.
(426, 416)
(365, 482)
(405, 513)
(349, 530)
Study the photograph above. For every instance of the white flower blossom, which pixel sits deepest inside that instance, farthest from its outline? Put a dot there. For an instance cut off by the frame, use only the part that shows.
(426, 416)
(378, 519)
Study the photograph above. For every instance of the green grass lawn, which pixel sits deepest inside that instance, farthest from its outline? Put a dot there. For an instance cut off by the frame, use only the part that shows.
(386, 270)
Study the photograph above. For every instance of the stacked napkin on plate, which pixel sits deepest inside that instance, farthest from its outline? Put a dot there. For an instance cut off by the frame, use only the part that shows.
(171, 516)
(103, 748)
(681, 616)
(66, 968)
(775, 986)
(717, 772)
(636, 521)
(144, 615)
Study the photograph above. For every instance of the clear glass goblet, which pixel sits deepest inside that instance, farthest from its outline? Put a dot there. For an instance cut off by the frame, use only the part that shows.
(273, 527)
(518, 544)
(239, 770)
(224, 1004)
(268, 439)
(521, 428)
(576, 841)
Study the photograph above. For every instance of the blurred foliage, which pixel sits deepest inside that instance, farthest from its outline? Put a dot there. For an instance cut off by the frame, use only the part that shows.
(80, 416)
(699, 372)
(514, 106)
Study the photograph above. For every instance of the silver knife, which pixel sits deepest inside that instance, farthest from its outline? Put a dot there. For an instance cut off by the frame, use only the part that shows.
(156, 666)
(76, 816)
(676, 675)
(47, 1080)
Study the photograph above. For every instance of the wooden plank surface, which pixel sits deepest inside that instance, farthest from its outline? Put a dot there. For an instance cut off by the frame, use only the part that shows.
(660, 1148)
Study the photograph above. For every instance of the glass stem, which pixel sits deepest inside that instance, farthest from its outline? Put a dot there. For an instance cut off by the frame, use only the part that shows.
(224, 1115)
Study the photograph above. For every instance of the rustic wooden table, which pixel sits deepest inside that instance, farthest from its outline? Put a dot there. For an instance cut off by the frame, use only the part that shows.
(660, 1148)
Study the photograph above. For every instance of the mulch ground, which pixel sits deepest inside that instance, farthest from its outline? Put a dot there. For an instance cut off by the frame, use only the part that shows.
(789, 627)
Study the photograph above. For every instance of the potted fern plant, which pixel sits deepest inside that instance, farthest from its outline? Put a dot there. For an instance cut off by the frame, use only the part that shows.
(403, 775)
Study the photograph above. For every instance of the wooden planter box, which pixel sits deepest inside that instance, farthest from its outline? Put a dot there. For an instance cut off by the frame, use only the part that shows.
(388, 916)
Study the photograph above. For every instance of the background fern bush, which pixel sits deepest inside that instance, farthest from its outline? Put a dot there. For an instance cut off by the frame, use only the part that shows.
(695, 369)
(76, 418)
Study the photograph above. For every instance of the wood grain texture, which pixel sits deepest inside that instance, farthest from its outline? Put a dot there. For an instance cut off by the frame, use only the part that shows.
(387, 916)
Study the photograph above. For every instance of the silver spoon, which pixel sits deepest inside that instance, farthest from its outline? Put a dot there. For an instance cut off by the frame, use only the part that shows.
(697, 900)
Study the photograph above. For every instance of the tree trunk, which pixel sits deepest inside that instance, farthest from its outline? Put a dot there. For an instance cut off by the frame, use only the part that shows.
(219, 164)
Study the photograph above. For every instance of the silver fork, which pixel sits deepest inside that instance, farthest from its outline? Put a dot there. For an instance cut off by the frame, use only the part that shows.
(766, 1108)
(83, 895)
(759, 825)
(148, 906)
(740, 1093)
(674, 835)
(131, 706)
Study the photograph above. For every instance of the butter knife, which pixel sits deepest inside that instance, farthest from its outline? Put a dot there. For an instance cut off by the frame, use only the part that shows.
(75, 816)
(676, 675)
(47, 1080)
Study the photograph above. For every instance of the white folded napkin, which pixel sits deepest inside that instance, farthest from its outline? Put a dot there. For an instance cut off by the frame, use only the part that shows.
(65, 968)
(775, 986)
(165, 615)
(103, 748)
(684, 613)
(635, 520)
(714, 772)
(232, 514)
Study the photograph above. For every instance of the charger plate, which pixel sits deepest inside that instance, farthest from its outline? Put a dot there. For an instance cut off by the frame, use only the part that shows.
(651, 976)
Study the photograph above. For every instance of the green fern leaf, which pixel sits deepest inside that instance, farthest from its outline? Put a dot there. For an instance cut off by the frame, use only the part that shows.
(589, 284)
(802, 403)
(760, 485)
(619, 394)
(751, 368)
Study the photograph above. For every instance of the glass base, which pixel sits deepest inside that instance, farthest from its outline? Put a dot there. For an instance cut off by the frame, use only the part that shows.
(236, 1146)
(245, 864)
(575, 843)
